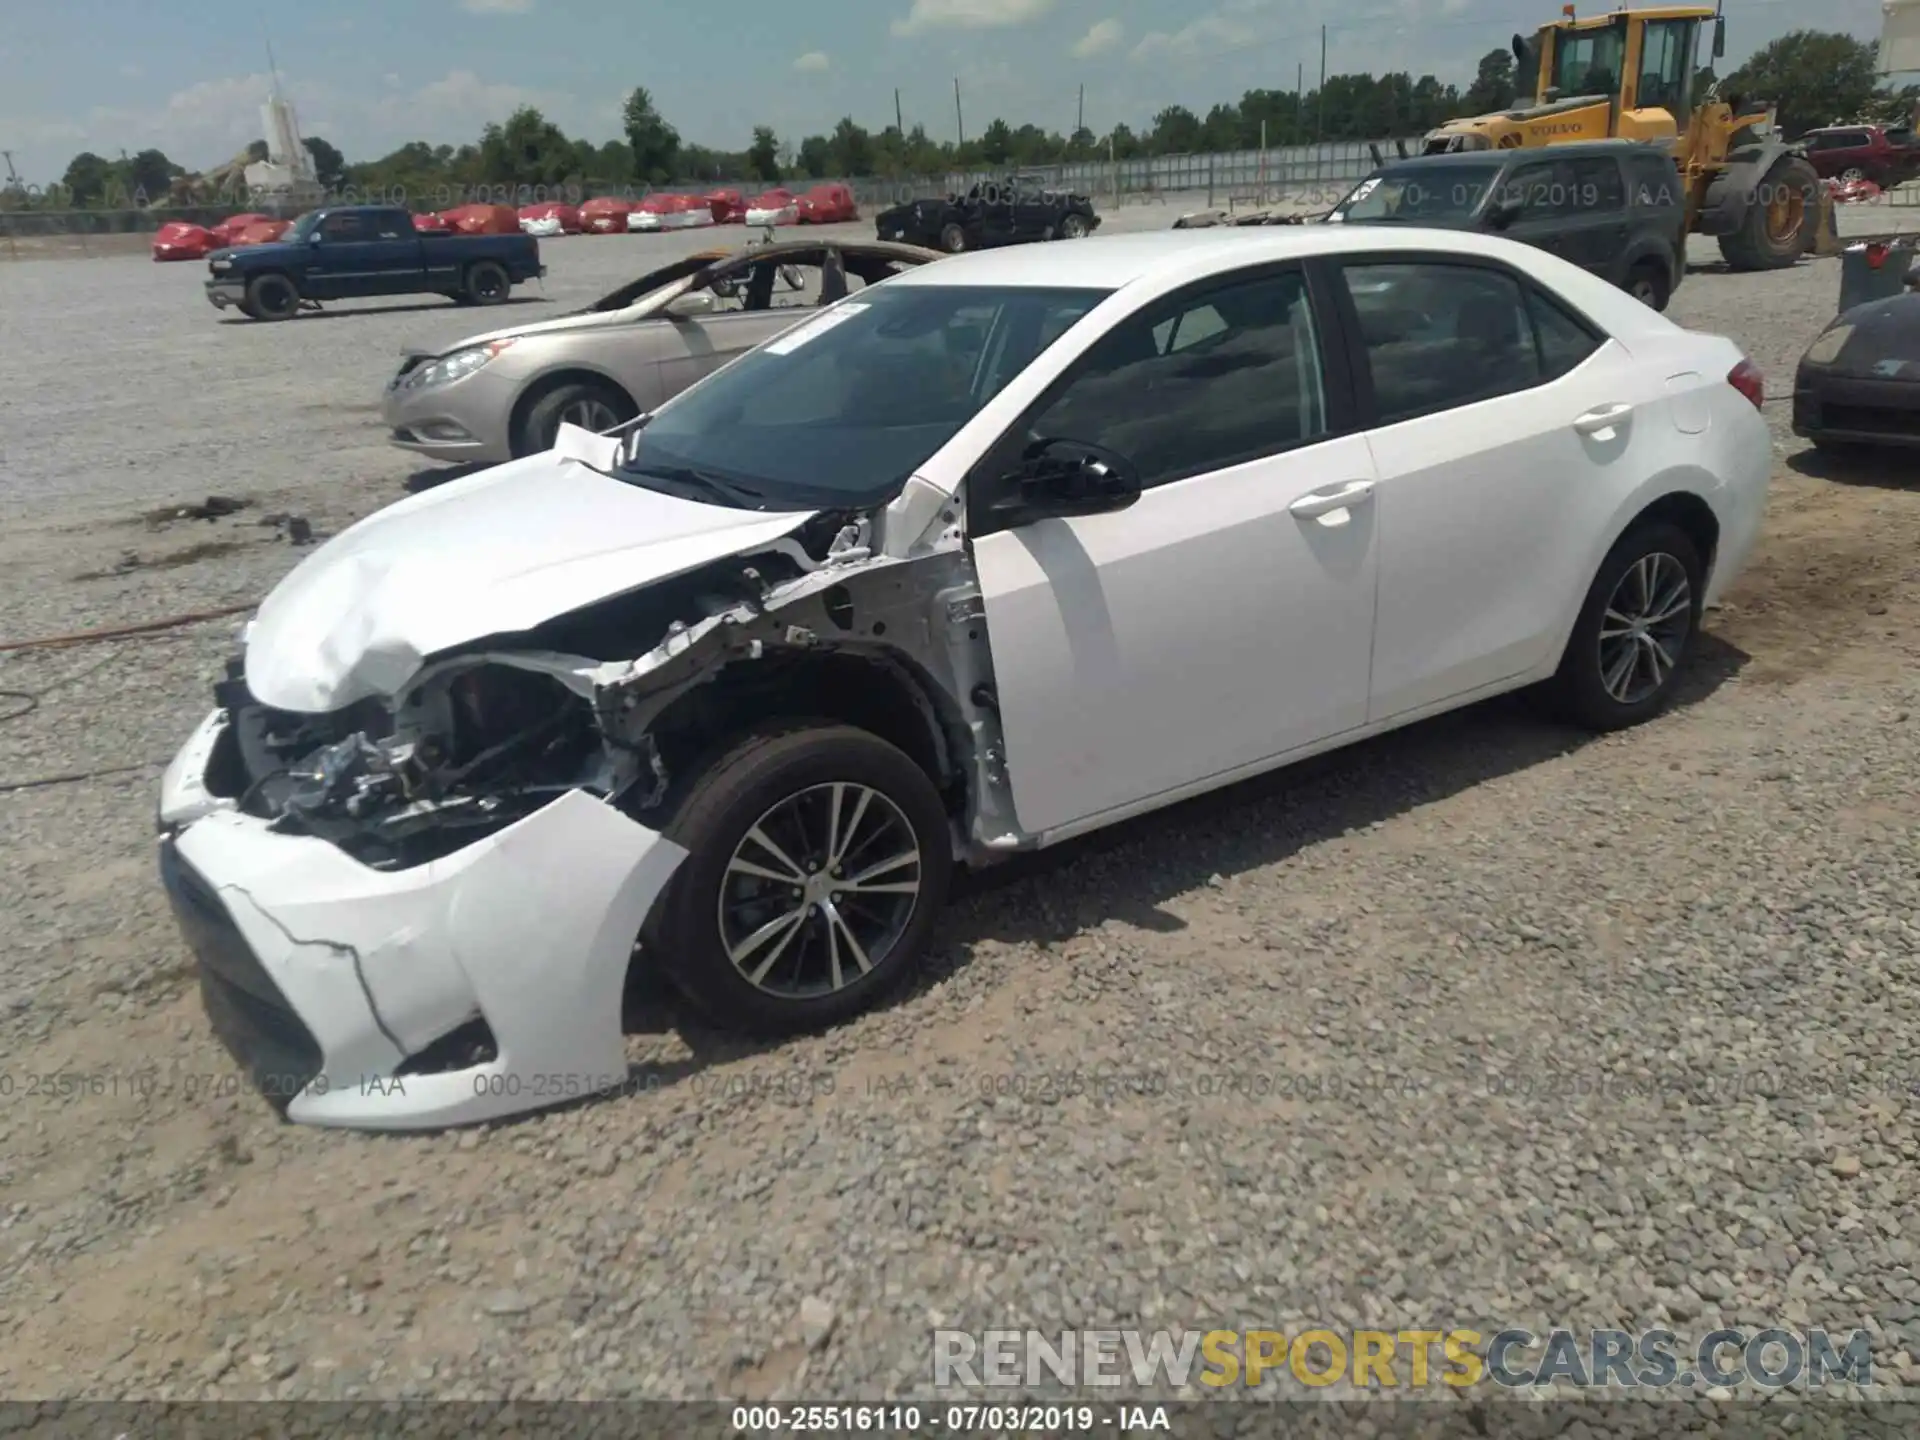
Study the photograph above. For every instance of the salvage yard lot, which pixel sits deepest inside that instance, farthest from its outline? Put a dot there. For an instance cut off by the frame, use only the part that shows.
(1481, 1024)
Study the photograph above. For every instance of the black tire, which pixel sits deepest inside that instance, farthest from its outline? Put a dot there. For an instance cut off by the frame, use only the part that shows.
(755, 773)
(1755, 245)
(1073, 227)
(1578, 690)
(953, 237)
(535, 433)
(271, 297)
(1647, 283)
(487, 283)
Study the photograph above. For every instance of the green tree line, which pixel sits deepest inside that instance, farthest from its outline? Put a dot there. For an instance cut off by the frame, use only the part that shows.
(1816, 77)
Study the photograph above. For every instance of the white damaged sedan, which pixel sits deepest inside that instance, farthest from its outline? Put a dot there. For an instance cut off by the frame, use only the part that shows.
(988, 555)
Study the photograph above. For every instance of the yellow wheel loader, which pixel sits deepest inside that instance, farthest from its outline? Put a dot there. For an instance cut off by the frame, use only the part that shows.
(1629, 75)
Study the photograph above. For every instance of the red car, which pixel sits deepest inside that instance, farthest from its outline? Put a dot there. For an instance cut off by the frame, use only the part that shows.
(1864, 152)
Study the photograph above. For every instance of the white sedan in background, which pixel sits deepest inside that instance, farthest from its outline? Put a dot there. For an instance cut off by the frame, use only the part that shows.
(990, 554)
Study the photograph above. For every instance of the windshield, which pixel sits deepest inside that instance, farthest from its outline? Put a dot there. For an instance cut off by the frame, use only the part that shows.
(303, 227)
(1589, 62)
(1432, 194)
(841, 409)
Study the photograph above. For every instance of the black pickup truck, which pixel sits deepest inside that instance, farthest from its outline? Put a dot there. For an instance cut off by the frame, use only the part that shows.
(354, 251)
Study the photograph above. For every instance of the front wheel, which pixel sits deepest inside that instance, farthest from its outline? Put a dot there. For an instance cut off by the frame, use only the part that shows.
(592, 405)
(1634, 632)
(1780, 219)
(818, 856)
(953, 238)
(271, 297)
(1073, 227)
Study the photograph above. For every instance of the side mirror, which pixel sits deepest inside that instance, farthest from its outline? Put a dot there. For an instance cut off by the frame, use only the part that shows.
(1503, 213)
(693, 303)
(1063, 478)
(315, 238)
(1719, 36)
(1520, 58)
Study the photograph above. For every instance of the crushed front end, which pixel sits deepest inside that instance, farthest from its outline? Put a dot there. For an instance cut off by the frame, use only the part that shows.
(416, 912)
(420, 909)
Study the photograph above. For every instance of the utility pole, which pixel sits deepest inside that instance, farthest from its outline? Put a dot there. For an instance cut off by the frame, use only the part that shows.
(1299, 89)
(959, 123)
(1320, 122)
(13, 176)
(1080, 114)
(898, 123)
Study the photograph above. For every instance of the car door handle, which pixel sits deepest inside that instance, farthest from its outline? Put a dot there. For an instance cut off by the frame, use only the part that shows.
(1604, 417)
(1340, 497)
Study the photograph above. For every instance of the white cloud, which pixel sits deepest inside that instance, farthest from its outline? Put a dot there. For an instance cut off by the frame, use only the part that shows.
(1101, 37)
(497, 7)
(813, 60)
(1212, 34)
(969, 15)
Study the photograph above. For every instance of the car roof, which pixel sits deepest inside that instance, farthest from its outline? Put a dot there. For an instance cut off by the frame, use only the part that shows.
(1110, 262)
(1107, 262)
(1493, 159)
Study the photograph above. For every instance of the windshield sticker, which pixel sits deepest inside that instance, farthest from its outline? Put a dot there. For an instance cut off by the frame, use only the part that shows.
(819, 325)
(1367, 187)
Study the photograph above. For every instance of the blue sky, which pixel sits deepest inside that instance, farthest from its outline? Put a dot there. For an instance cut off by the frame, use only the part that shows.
(371, 74)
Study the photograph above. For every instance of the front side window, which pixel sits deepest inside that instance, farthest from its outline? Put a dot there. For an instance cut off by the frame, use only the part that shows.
(842, 408)
(345, 227)
(1438, 336)
(1199, 383)
(1419, 195)
(1666, 66)
(1539, 191)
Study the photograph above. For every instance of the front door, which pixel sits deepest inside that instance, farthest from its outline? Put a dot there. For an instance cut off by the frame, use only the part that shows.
(354, 258)
(1226, 616)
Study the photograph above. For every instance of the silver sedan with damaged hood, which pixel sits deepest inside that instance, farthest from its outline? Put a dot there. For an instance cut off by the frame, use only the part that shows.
(987, 555)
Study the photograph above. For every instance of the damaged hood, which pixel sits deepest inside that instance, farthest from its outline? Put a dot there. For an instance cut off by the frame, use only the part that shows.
(491, 554)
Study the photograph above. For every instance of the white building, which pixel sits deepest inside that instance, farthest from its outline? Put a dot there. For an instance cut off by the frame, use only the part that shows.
(287, 172)
(1899, 36)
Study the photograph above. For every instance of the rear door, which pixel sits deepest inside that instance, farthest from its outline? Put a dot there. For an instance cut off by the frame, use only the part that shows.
(1595, 215)
(1540, 189)
(1496, 416)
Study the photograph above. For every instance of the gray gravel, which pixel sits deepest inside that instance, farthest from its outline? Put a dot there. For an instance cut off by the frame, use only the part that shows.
(1483, 1024)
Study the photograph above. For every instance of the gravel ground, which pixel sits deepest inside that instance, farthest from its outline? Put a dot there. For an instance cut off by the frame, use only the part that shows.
(1483, 1024)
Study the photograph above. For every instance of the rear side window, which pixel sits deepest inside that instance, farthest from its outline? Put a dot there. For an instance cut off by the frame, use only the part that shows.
(1655, 181)
(1438, 336)
(1561, 340)
(1597, 185)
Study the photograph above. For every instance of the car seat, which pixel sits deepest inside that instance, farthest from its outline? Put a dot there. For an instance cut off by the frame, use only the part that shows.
(833, 278)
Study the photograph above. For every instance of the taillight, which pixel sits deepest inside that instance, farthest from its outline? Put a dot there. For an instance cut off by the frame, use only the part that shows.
(1747, 379)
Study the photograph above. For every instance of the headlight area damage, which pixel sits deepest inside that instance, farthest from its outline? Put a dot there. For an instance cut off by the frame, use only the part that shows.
(421, 909)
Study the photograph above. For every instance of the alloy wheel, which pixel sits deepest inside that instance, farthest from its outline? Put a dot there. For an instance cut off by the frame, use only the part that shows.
(590, 413)
(1645, 627)
(819, 891)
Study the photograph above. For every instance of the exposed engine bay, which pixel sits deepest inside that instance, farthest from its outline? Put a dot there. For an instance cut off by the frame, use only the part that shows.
(619, 698)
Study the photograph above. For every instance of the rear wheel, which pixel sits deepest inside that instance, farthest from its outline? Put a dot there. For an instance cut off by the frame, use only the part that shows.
(1647, 283)
(953, 238)
(1634, 632)
(271, 297)
(1780, 218)
(818, 856)
(1853, 172)
(593, 405)
(487, 283)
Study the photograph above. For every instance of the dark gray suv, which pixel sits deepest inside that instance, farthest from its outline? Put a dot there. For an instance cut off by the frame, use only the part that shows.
(1613, 206)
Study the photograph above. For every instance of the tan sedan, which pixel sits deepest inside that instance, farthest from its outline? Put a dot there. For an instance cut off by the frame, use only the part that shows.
(505, 394)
